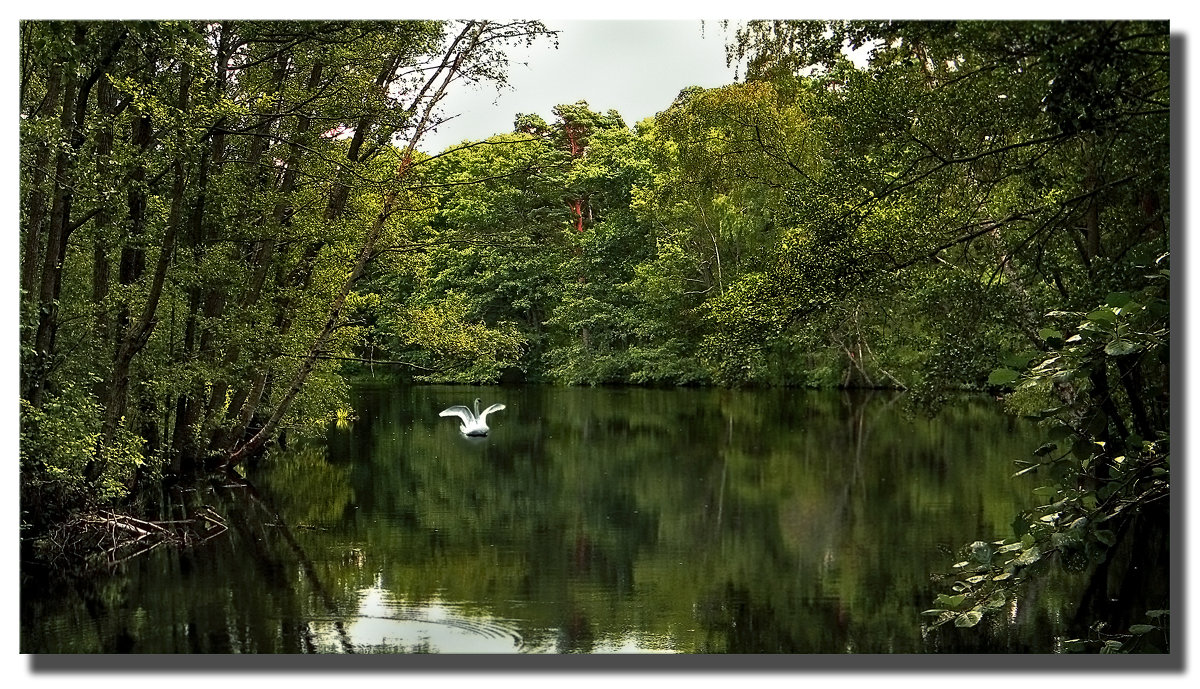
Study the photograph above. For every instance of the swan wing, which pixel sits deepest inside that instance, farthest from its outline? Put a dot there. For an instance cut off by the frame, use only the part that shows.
(464, 413)
(489, 410)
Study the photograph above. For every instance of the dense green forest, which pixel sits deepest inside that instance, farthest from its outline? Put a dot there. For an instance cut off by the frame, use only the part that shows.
(222, 223)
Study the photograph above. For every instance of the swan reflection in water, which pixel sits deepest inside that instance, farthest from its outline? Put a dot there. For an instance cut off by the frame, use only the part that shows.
(474, 423)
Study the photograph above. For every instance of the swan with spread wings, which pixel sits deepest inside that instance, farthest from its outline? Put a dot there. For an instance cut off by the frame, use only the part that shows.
(474, 423)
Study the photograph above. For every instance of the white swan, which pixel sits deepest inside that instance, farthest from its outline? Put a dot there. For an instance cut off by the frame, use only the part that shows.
(473, 422)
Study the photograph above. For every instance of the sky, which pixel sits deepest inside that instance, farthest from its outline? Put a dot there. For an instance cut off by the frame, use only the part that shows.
(636, 67)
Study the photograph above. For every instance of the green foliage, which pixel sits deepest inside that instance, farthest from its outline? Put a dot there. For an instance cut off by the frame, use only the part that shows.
(473, 351)
(989, 145)
(1152, 637)
(199, 199)
(1108, 458)
(58, 441)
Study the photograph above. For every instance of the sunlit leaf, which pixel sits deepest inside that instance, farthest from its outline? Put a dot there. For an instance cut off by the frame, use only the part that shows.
(1121, 347)
(1064, 376)
(968, 619)
(1072, 645)
(950, 602)
(1003, 376)
(996, 600)
(1030, 556)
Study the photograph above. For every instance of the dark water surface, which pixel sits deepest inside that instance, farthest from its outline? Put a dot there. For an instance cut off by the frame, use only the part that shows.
(590, 520)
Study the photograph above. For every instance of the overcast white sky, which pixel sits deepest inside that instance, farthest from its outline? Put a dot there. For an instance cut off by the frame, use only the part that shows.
(636, 67)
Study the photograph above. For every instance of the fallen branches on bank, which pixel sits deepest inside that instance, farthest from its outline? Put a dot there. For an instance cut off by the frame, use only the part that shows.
(111, 538)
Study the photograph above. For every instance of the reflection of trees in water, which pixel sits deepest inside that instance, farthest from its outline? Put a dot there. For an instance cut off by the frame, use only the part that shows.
(1133, 579)
(804, 516)
(252, 591)
(661, 498)
(702, 520)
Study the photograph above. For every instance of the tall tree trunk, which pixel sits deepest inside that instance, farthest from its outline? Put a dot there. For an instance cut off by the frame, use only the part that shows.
(136, 335)
(206, 300)
(246, 398)
(35, 213)
(56, 239)
(133, 254)
(1092, 215)
(261, 255)
(186, 405)
(1130, 369)
(106, 99)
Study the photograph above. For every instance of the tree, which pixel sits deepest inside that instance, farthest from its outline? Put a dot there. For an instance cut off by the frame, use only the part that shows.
(1006, 150)
(511, 243)
(241, 175)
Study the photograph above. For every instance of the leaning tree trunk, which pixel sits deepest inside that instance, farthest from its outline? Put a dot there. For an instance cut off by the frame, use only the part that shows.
(205, 301)
(246, 398)
(211, 414)
(255, 443)
(427, 98)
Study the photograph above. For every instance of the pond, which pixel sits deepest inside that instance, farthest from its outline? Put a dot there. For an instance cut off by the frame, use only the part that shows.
(597, 520)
